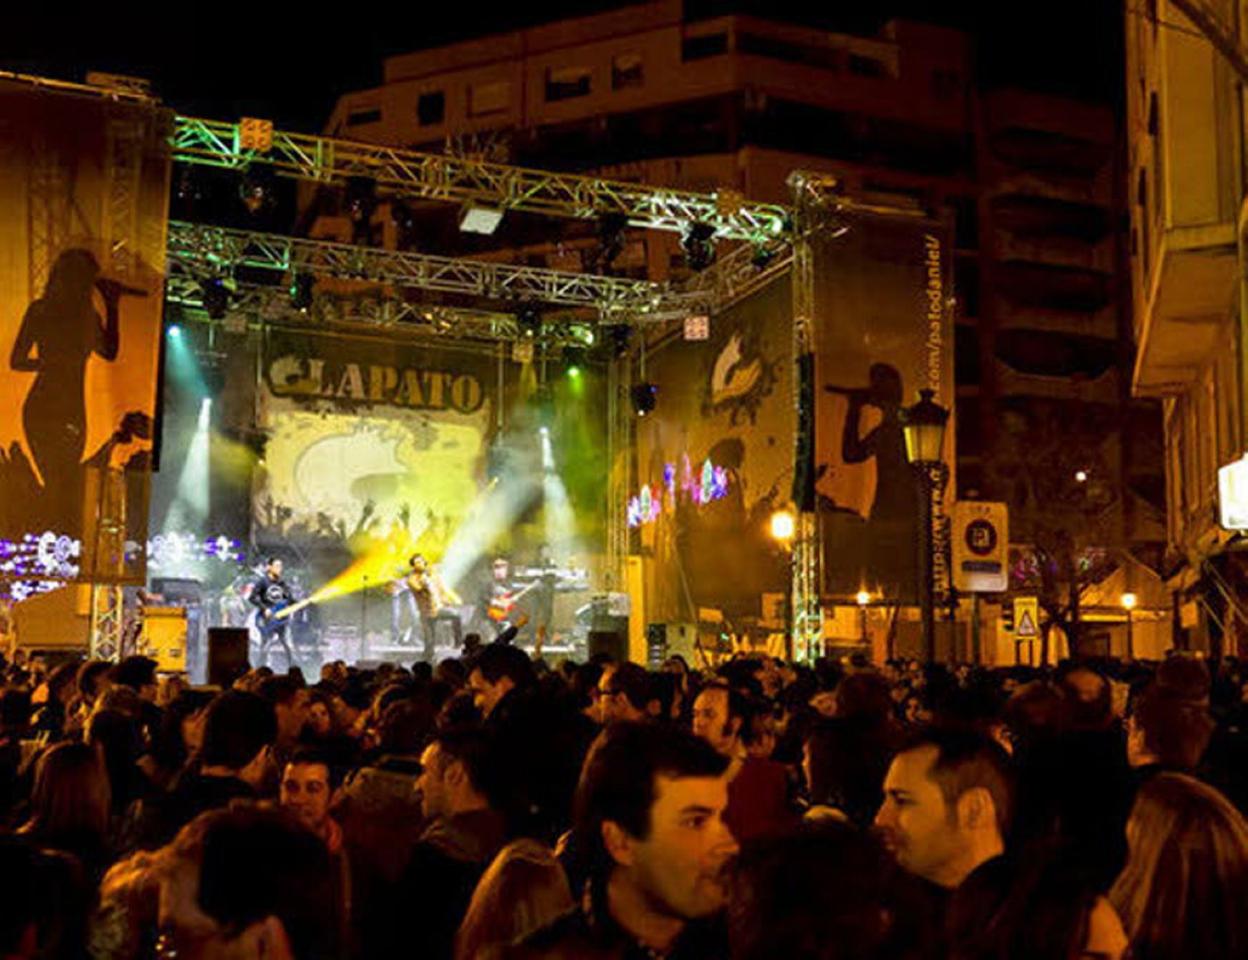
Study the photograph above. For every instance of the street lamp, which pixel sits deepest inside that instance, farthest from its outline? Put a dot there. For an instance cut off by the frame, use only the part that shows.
(863, 599)
(1129, 600)
(783, 526)
(924, 427)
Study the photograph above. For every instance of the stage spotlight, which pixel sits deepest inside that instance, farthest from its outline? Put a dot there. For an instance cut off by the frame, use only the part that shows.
(574, 357)
(611, 227)
(404, 221)
(258, 190)
(215, 297)
(530, 321)
(762, 256)
(645, 398)
(618, 337)
(361, 202)
(478, 218)
(301, 292)
(698, 242)
(174, 332)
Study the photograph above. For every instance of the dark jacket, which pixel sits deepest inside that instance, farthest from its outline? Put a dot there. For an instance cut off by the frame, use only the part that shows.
(160, 818)
(434, 891)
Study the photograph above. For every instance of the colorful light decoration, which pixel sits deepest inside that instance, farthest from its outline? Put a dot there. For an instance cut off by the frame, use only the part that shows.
(40, 555)
(706, 486)
(173, 549)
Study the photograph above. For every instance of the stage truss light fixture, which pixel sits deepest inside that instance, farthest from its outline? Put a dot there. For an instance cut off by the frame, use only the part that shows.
(529, 321)
(301, 291)
(611, 237)
(174, 332)
(574, 357)
(618, 338)
(698, 242)
(258, 190)
(215, 297)
(762, 256)
(645, 398)
(479, 218)
(361, 202)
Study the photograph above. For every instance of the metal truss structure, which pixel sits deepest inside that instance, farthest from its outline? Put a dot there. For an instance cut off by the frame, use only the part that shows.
(407, 174)
(201, 253)
(807, 570)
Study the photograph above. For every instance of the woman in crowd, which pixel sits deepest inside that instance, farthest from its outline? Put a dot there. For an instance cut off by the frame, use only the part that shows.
(70, 806)
(1181, 892)
(524, 889)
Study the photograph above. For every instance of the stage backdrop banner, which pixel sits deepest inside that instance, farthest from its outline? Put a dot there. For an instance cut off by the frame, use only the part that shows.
(84, 184)
(883, 320)
(367, 438)
(715, 461)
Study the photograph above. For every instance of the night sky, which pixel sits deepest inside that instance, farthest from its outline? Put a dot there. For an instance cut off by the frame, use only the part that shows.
(284, 62)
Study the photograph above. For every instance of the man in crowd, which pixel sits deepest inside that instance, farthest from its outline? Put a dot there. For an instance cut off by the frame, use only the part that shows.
(309, 782)
(654, 845)
(463, 834)
(626, 694)
(498, 678)
(289, 698)
(247, 882)
(239, 730)
(947, 804)
(758, 791)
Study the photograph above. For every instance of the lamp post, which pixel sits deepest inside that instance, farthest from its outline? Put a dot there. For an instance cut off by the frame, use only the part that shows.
(924, 427)
(783, 527)
(1129, 600)
(863, 599)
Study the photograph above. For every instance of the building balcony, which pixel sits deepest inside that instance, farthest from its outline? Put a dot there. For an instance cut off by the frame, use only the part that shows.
(1101, 323)
(1192, 297)
(1055, 250)
(1056, 135)
(1044, 286)
(1102, 390)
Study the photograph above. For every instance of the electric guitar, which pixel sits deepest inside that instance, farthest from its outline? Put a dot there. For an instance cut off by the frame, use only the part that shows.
(501, 607)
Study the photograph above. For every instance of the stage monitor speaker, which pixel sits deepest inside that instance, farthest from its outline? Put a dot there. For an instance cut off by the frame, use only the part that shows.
(613, 643)
(227, 655)
(164, 637)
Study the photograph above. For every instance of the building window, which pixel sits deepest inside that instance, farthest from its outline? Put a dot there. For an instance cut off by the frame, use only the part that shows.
(359, 117)
(626, 71)
(770, 47)
(431, 108)
(866, 66)
(487, 98)
(707, 45)
(565, 83)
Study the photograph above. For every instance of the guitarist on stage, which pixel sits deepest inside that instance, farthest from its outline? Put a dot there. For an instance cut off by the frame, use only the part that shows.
(270, 594)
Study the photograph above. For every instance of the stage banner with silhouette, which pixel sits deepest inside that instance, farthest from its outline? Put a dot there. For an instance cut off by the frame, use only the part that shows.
(369, 440)
(84, 184)
(714, 461)
(883, 319)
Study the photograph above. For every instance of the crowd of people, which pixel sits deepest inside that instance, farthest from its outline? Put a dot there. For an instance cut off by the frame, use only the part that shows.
(502, 807)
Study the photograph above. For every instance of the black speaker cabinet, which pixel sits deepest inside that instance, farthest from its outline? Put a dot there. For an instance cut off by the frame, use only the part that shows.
(227, 655)
(614, 643)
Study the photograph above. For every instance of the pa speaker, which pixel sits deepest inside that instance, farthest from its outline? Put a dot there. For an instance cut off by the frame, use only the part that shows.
(612, 643)
(227, 655)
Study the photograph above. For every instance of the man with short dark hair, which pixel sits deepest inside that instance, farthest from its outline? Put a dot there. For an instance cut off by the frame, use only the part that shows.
(463, 834)
(138, 673)
(247, 882)
(625, 694)
(1166, 731)
(650, 827)
(290, 707)
(308, 785)
(497, 671)
(947, 805)
(239, 730)
(758, 791)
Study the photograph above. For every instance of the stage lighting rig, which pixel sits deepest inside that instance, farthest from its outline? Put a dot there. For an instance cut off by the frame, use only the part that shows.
(361, 202)
(301, 291)
(574, 357)
(611, 228)
(698, 242)
(645, 398)
(530, 322)
(216, 297)
(258, 190)
(479, 218)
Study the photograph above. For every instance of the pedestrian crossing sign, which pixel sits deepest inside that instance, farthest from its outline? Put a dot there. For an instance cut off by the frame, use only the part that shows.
(1026, 617)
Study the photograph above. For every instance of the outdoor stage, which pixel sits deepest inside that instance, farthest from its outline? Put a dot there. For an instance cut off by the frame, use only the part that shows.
(347, 401)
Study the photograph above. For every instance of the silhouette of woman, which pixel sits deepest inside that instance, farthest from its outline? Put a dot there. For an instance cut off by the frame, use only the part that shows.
(59, 333)
(894, 485)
